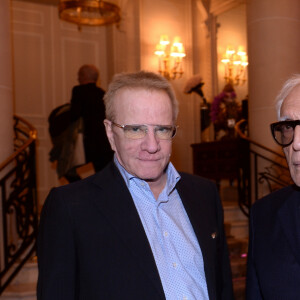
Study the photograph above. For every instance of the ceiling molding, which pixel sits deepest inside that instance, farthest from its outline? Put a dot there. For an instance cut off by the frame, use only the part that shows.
(218, 7)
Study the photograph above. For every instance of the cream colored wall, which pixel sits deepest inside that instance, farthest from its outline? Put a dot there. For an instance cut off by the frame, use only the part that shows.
(6, 85)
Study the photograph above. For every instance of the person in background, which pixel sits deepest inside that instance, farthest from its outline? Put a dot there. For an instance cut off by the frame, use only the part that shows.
(274, 243)
(138, 229)
(87, 103)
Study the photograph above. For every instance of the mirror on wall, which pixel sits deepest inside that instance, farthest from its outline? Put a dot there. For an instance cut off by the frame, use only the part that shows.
(232, 49)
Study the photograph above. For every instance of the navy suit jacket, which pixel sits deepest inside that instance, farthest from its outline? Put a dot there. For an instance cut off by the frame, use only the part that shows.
(92, 244)
(274, 247)
(87, 102)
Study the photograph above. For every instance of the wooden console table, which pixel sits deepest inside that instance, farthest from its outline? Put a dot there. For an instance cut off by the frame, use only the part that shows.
(224, 159)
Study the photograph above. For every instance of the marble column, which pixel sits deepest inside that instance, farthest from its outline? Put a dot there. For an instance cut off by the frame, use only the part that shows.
(6, 85)
(273, 47)
(6, 98)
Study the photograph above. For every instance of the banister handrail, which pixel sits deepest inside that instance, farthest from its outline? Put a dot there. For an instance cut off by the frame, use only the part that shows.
(243, 136)
(32, 137)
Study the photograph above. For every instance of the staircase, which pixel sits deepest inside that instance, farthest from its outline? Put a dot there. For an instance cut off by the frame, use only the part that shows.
(236, 227)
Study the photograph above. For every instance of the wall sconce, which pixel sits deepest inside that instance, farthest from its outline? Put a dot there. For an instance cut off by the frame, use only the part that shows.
(235, 65)
(170, 57)
(88, 12)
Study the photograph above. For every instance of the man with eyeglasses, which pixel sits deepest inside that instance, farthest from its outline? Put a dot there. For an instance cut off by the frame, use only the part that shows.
(138, 229)
(274, 243)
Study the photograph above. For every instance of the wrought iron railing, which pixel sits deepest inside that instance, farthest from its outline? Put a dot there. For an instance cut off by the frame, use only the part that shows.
(19, 203)
(269, 171)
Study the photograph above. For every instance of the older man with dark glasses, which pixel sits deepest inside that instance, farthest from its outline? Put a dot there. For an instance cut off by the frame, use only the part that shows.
(274, 243)
(138, 229)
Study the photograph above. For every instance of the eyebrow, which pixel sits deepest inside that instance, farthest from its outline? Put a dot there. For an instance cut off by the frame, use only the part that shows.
(285, 119)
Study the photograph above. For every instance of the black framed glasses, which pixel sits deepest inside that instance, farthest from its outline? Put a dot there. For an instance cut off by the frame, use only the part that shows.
(138, 131)
(283, 131)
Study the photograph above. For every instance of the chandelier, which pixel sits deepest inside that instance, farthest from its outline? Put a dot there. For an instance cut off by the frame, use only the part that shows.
(236, 63)
(89, 12)
(170, 57)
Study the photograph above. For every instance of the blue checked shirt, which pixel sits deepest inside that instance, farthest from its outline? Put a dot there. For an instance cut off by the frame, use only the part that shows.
(175, 248)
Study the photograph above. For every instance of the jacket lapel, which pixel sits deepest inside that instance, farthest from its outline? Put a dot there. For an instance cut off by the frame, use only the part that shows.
(203, 222)
(289, 218)
(118, 206)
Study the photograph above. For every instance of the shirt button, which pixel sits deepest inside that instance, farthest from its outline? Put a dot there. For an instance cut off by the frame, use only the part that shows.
(185, 298)
(166, 233)
(174, 265)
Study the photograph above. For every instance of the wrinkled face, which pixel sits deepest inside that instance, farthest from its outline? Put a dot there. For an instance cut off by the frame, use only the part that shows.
(147, 157)
(290, 110)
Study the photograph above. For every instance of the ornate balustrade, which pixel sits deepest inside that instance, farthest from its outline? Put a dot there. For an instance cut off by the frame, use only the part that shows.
(19, 218)
(269, 170)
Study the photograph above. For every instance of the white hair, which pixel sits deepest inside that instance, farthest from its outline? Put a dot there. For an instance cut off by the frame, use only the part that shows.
(286, 89)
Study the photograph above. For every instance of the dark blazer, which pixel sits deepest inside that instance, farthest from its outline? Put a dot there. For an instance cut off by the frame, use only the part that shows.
(274, 248)
(92, 244)
(87, 102)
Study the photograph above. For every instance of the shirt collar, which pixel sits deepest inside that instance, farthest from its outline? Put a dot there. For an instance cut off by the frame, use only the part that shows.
(172, 176)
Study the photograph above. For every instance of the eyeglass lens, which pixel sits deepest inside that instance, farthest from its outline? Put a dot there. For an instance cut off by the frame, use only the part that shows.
(283, 132)
(139, 131)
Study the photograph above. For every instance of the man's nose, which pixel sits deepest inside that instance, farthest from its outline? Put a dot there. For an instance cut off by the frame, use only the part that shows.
(296, 141)
(150, 142)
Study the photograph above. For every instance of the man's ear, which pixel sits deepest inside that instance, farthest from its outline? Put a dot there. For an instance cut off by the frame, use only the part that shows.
(109, 133)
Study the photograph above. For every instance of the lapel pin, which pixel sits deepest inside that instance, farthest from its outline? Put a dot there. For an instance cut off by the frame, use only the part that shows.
(213, 235)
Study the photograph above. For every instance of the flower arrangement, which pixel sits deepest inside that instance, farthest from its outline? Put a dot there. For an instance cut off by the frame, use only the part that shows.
(218, 104)
(225, 112)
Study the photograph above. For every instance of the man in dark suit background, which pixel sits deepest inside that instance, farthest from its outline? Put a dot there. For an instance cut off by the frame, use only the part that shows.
(274, 243)
(138, 229)
(87, 102)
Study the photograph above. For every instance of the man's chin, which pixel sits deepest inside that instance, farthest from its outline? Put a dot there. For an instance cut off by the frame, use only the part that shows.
(296, 179)
(151, 176)
(297, 182)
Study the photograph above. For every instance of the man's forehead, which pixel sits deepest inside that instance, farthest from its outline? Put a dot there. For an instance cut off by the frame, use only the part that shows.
(291, 104)
(136, 94)
(137, 89)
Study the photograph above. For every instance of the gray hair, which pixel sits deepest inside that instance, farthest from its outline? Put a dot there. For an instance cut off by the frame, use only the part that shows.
(286, 89)
(142, 79)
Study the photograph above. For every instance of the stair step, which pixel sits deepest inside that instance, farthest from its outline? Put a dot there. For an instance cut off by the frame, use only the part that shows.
(239, 287)
(23, 286)
(21, 291)
(237, 247)
(28, 274)
(238, 266)
(238, 229)
(232, 212)
(227, 229)
(229, 193)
